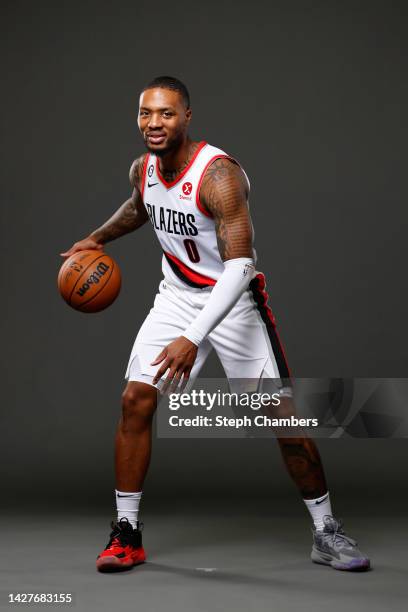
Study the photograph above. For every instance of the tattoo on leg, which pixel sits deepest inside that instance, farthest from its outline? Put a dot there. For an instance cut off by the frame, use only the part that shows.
(303, 462)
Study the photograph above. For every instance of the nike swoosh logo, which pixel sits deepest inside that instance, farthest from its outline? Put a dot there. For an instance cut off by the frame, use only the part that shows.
(321, 501)
(151, 184)
(119, 495)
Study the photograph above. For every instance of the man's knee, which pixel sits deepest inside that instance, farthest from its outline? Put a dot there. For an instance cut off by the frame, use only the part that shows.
(138, 403)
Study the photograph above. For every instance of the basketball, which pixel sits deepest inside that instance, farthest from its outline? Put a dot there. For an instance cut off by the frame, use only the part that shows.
(89, 281)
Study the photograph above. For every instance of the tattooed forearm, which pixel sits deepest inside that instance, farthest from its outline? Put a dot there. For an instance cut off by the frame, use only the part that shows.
(224, 193)
(302, 459)
(130, 216)
(126, 219)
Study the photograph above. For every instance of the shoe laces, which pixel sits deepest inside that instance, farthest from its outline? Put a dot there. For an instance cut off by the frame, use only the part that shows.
(120, 533)
(334, 528)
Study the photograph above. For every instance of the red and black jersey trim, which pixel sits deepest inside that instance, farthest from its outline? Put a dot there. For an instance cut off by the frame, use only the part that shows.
(257, 286)
(187, 275)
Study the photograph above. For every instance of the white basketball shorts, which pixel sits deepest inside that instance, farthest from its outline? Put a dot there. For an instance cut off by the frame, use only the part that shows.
(245, 341)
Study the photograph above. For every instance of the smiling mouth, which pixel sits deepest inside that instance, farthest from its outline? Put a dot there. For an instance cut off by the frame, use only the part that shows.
(156, 138)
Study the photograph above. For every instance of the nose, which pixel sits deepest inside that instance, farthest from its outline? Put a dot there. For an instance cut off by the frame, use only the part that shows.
(154, 121)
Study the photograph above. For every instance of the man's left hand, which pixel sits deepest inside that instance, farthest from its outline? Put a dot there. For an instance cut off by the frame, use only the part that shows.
(178, 356)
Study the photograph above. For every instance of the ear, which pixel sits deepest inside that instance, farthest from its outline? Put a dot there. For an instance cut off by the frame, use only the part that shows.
(188, 115)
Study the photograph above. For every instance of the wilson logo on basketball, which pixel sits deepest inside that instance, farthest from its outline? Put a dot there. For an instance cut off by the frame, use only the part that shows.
(186, 188)
(94, 278)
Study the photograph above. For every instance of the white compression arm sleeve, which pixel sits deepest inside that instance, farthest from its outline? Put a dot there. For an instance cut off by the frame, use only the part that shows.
(227, 290)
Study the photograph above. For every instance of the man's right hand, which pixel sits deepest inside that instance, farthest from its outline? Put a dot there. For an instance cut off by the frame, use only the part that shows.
(83, 245)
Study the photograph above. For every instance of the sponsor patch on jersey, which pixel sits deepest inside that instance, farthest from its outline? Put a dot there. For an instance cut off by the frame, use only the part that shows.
(187, 189)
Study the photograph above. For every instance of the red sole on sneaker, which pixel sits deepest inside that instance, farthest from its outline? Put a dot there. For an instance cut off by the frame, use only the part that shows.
(113, 564)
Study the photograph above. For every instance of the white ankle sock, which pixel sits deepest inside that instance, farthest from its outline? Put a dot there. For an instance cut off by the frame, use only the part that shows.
(318, 508)
(127, 505)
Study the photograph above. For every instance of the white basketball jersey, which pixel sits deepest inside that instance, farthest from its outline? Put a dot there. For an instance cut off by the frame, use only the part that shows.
(186, 231)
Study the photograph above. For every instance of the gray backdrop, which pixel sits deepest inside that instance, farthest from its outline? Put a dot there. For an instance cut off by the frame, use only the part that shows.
(311, 98)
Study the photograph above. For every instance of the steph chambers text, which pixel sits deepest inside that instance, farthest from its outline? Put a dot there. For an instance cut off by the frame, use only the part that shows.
(237, 422)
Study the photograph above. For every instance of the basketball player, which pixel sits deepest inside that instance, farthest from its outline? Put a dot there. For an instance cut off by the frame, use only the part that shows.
(196, 198)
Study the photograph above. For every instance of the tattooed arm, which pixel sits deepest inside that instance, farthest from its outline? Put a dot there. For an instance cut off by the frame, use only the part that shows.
(129, 217)
(224, 194)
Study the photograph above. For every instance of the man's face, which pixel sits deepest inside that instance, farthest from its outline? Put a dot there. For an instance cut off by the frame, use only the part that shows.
(163, 120)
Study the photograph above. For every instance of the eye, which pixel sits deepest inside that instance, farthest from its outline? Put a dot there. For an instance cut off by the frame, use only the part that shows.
(167, 114)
